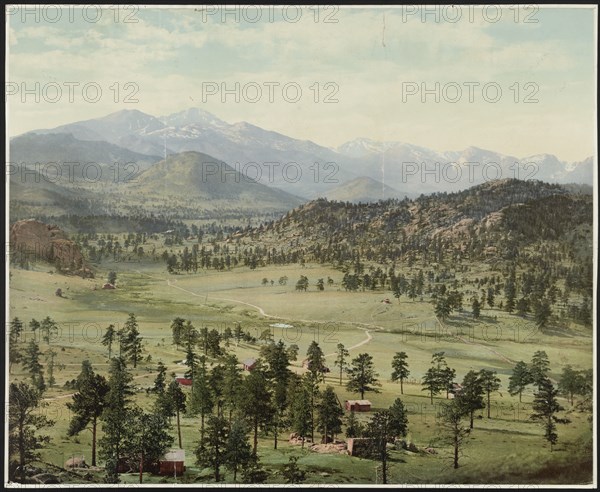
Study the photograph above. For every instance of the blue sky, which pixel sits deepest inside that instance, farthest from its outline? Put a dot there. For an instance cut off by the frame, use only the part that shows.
(364, 62)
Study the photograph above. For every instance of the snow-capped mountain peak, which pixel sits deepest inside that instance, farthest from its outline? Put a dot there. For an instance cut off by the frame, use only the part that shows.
(193, 116)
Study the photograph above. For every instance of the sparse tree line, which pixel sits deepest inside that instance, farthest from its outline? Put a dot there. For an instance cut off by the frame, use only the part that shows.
(534, 292)
(221, 257)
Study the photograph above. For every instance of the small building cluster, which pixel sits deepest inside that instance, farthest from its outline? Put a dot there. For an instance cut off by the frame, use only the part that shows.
(357, 405)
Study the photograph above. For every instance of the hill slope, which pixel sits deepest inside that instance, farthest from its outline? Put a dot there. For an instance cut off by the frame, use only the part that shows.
(193, 175)
(363, 189)
(76, 158)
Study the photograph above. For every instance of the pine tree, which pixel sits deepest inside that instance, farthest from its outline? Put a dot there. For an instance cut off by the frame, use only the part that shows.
(203, 341)
(237, 450)
(586, 391)
(431, 383)
(160, 382)
(302, 414)
(340, 360)
(24, 422)
(381, 430)
(51, 366)
(539, 368)
(400, 369)
(446, 377)
(232, 385)
(177, 329)
(171, 403)
(490, 383)
(202, 398)
(109, 338)
(362, 376)
(438, 376)
(353, 427)
(311, 381)
(16, 330)
(147, 438)
(329, 415)
(510, 291)
(315, 358)
(279, 374)
(476, 306)
(545, 406)
(292, 352)
(31, 363)
(451, 421)
(48, 329)
(399, 419)
(216, 381)
(213, 341)
(522, 306)
(442, 307)
(470, 396)
(253, 472)
(15, 356)
(255, 401)
(115, 417)
(34, 326)
(490, 297)
(570, 383)
(520, 378)
(132, 341)
(88, 403)
(212, 449)
(191, 362)
(190, 337)
(542, 313)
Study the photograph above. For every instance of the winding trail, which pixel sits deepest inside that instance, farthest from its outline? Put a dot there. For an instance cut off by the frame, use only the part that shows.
(366, 327)
(359, 344)
(262, 312)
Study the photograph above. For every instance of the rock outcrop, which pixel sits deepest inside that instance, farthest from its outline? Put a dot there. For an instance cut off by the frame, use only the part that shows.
(76, 462)
(32, 240)
(337, 447)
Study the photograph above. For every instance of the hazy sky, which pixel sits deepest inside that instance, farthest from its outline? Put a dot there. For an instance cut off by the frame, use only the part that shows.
(371, 66)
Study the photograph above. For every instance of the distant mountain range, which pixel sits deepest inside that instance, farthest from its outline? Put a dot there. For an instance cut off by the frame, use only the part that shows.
(243, 146)
(67, 151)
(407, 166)
(359, 170)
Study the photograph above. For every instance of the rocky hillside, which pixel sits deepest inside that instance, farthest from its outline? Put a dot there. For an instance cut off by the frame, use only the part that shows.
(495, 220)
(32, 241)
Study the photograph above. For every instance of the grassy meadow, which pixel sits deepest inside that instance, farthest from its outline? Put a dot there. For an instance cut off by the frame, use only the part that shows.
(507, 448)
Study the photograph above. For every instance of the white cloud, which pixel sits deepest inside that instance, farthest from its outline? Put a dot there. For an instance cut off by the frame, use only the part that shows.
(169, 55)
